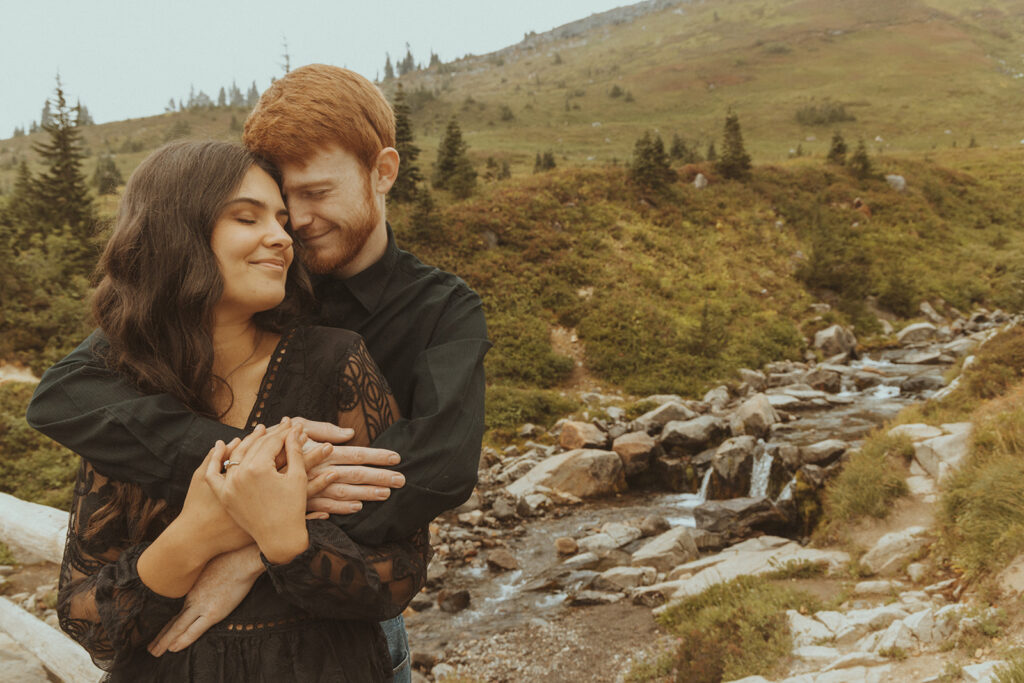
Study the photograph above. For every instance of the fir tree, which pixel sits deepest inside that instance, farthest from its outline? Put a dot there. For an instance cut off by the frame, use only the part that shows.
(404, 189)
(82, 115)
(426, 224)
(435, 60)
(107, 177)
(235, 96)
(712, 153)
(735, 162)
(408, 64)
(389, 70)
(222, 98)
(860, 163)
(452, 170)
(23, 209)
(506, 170)
(61, 189)
(170, 107)
(837, 150)
(544, 162)
(46, 116)
(253, 96)
(650, 168)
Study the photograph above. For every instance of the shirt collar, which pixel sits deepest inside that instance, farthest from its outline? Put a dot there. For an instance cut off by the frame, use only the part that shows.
(368, 285)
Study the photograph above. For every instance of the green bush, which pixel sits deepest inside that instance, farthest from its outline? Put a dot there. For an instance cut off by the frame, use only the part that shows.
(32, 467)
(508, 407)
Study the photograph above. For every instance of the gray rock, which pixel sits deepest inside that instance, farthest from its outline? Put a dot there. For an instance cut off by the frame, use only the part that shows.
(577, 435)
(943, 455)
(700, 182)
(927, 381)
(930, 313)
(721, 515)
(918, 332)
(635, 449)
(835, 340)
(592, 597)
(585, 473)
(691, 436)
(824, 380)
(894, 550)
(896, 182)
(17, 664)
(666, 551)
(652, 525)
(654, 420)
(624, 578)
(753, 379)
(453, 601)
(823, 452)
(717, 397)
(754, 417)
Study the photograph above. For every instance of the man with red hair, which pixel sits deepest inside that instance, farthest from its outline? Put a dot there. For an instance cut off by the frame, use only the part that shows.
(332, 134)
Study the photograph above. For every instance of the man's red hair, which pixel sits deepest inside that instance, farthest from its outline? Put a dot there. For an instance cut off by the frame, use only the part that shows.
(317, 106)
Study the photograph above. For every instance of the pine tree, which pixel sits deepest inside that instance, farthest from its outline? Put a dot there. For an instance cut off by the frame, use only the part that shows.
(23, 209)
(222, 98)
(389, 70)
(735, 162)
(170, 106)
(650, 168)
(544, 162)
(860, 162)
(235, 96)
(452, 170)
(404, 189)
(82, 115)
(46, 116)
(253, 95)
(837, 150)
(426, 224)
(107, 176)
(712, 153)
(435, 60)
(408, 63)
(61, 189)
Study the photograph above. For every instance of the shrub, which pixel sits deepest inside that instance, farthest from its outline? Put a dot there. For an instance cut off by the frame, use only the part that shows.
(32, 467)
(508, 407)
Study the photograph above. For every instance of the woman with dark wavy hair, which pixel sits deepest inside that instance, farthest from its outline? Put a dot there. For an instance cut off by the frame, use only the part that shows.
(198, 281)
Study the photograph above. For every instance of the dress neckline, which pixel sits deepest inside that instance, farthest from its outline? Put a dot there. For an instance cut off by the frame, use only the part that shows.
(269, 377)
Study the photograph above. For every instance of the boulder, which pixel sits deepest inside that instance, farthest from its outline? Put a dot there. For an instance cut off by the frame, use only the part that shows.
(585, 473)
(717, 397)
(621, 534)
(691, 436)
(942, 455)
(823, 453)
(722, 515)
(733, 463)
(453, 601)
(652, 525)
(926, 381)
(754, 379)
(700, 182)
(916, 431)
(581, 435)
(754, 417)
(896, 182)
(930, 313)
(824, 380)
(654, 420)
(918, 332)
(624, 578)
(835, 340)
(894, 550)
(635, 451)
(666, 551)
(566, 545)
(500, 559)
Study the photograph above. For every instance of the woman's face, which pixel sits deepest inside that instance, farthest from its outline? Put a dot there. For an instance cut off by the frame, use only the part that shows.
(252, 247)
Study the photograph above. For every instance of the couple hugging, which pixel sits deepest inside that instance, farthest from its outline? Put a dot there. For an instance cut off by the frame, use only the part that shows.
(277, 402)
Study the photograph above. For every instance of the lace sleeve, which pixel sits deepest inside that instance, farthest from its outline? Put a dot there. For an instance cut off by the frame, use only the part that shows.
(101, 602)
(338, 578)
(365, 402)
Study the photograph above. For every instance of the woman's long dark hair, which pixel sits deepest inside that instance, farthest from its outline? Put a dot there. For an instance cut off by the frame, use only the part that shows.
(159, 283)
(160, 280)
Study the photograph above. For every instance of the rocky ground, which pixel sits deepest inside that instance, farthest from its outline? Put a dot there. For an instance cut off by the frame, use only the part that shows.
(577, 537)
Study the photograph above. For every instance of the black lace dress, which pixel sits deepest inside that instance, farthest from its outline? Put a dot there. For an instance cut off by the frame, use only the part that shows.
(312, 619)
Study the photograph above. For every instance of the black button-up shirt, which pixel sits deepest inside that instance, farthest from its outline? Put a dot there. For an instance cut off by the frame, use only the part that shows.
(425, 329)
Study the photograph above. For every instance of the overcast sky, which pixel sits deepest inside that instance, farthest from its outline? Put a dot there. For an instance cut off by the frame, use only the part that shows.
(126, 58)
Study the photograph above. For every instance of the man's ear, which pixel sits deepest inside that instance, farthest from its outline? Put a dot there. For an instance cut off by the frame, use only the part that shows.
(387, 169)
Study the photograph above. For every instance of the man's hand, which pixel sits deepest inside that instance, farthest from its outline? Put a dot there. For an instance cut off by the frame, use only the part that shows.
(220, 588)
(345, 475)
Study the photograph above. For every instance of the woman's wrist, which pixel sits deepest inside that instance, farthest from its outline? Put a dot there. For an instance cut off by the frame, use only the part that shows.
(283, 547)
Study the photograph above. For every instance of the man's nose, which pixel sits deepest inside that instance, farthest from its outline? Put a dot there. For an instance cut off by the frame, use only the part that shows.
(299, 215)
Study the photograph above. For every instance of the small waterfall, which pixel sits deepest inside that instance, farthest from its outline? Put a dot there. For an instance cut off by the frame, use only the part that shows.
(760, 475)
(787, 492)
(703, 494)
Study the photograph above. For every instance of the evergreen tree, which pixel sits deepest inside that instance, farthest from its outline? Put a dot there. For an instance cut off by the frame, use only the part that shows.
(735, 162)
(860, 163)
(452, 170)
(222, 98)
(506, 170)
(837, 150)
(107, 177)
(435, 60)
(253, 96)
(170, 106)
(389, 70)
(235, 96)
(404, 189)
(18, 132)
(712, 153)
(46, 116)
(61, 189)
(650, 168)
(973, 143)
(426, 224)
(408, 64)
(33, 127)
(23, 209)
(544, 162)
(82, 115)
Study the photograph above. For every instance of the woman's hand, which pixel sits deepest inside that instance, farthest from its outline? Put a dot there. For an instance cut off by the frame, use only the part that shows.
(270, 505)
(203, 514)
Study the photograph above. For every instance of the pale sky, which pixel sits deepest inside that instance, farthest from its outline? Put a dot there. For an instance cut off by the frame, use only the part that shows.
(126, 58)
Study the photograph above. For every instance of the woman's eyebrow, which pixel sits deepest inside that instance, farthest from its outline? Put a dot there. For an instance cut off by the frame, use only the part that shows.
(255, 202)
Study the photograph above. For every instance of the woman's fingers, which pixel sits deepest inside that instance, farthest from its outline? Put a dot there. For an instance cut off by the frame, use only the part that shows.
(214, 465)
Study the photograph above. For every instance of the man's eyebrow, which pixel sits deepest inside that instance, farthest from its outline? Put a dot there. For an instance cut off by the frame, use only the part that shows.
(305, 186)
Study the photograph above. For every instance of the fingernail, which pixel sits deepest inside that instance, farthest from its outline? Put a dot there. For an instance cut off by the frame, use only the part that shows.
(331, 476)
(327, 447)
(347, 430)
(383, 493)
(394, 459)
(397, 480)
(356, 507)
(234, 441)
